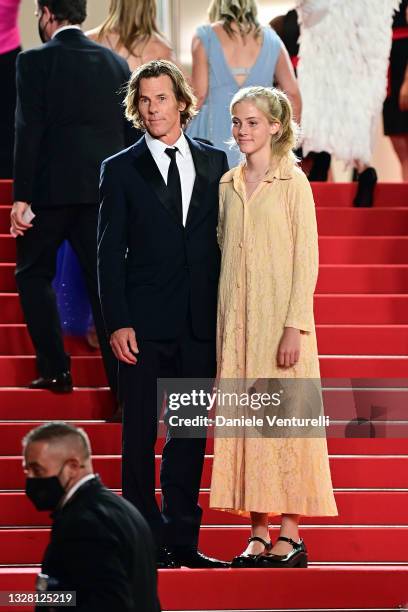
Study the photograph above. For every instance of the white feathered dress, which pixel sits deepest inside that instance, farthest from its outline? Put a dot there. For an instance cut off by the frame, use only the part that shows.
(342, 72)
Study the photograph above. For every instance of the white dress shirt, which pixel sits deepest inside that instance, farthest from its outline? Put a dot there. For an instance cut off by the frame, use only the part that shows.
(184, 161)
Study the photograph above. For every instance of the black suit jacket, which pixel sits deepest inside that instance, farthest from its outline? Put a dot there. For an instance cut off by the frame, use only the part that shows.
(150, 267)
(101, 547)
(69, 118)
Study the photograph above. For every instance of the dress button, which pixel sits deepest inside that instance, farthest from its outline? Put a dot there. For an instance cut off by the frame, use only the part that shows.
(238, 285)
(240, 245)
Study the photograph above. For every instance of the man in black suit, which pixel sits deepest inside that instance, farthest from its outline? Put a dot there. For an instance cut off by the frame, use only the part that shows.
(69, 118)
(158, 266)
(100, 546)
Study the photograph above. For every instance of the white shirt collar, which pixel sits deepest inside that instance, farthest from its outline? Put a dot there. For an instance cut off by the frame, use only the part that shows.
(68, 27)
(76, 487)
(157, 147)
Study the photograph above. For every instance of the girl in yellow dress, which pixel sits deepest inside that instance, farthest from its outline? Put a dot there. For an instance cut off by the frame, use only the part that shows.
(268, 238)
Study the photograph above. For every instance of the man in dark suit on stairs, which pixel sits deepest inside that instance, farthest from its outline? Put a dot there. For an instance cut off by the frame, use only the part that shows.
(158, 266)
(69, 118)
(100, 546)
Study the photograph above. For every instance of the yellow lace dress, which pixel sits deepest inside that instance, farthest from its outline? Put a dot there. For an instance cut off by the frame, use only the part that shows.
(268, 276)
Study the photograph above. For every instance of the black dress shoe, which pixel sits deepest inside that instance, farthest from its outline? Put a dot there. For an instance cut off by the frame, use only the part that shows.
(166, 559)
(62, 383)
(296, 558)
(195, 559)
(248, 560)
(365, 190)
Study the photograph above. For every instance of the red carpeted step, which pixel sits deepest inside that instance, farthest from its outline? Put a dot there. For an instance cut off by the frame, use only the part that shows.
(361, 339)
(341, 221)
(82, 404)
(363, 367)
(363, 249)
(105, 438)
(362, 278)
(6, 191)
(355, 508)
(97, 404)
(335, 544)
(342, 194)
(19, 371)
(361, 472)
(7, 248)
(386, 309)
(331, 340)
(332, 249)
(330, 308)
(7, 280)
(331, 220)
(319, 588)
(348, 278)
(4, 218)
(15, 340)
(383, 408)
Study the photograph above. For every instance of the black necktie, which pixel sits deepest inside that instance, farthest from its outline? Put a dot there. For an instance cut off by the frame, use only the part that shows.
(174, 184)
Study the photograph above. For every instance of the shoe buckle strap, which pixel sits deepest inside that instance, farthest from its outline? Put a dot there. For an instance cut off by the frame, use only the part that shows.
(290, 541)
(268, 545)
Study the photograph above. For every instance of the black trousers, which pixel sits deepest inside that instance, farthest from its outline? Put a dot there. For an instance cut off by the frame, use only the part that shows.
(178, 522)
(35, 270)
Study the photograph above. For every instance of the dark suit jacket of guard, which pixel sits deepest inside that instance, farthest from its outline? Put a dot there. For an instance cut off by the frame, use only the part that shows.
(101, 547)
(150, 267)
(69, 118)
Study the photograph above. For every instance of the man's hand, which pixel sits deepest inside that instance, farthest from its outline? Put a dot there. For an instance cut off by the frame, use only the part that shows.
(18, 225)
(124, 345)
(289, 348)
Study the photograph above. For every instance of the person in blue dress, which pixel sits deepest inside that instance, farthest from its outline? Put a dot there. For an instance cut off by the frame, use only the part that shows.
(231, 52)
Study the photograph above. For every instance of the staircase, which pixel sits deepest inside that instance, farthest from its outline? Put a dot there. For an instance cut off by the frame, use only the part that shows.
(358, 560)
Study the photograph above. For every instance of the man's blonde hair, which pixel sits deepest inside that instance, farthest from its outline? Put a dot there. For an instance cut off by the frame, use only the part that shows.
(154, 69)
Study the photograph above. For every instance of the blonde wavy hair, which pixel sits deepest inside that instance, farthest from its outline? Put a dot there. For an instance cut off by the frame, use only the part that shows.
(275, 105)
(154, 69)
(242, 12)
(132, 20)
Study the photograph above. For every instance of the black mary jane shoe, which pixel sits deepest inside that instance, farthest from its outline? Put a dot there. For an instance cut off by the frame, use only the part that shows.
(248, 560)
(296, 558)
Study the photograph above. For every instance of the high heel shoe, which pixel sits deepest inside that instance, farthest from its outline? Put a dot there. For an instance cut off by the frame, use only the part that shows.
(248, 560)
(296, 558)
(365, 191)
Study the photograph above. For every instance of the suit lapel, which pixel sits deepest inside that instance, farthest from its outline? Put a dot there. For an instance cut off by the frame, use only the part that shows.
(201, 164)
(147, 168)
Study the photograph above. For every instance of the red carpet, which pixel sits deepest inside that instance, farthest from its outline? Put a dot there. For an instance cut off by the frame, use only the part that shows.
(358, 560)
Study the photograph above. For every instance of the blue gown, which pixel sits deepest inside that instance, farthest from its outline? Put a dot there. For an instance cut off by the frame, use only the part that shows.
(213, 121)
(72, 296)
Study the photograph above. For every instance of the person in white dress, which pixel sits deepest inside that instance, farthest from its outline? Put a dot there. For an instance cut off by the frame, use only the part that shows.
(342, 73)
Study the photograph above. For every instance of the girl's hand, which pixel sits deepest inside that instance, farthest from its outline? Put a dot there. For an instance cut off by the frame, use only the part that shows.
(289, 348)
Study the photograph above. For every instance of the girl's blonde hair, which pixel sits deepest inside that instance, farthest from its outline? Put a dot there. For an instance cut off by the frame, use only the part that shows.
(132, 20)
(242, 12)
(275, 105)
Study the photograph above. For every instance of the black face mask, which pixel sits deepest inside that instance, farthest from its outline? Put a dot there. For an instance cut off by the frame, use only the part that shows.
(45, 493)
